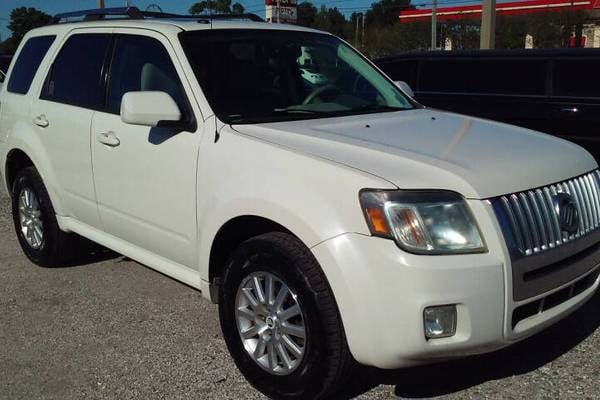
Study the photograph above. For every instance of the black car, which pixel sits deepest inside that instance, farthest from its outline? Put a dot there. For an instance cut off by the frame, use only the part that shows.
(553, 91)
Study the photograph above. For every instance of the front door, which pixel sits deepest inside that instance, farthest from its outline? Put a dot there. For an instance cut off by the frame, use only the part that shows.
(146, 177)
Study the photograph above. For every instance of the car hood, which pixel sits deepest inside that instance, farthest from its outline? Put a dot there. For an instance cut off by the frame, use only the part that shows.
(428, 149)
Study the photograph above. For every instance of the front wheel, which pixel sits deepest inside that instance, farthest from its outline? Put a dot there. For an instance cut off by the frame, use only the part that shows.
(280, 320)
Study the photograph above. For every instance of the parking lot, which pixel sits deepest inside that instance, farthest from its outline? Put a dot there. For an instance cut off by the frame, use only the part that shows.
(112, 328)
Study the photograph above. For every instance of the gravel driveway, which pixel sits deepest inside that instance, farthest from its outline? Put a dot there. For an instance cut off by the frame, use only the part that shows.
(111, 328)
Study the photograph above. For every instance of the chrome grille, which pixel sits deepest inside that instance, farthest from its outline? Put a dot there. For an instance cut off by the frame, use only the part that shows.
(534, 219)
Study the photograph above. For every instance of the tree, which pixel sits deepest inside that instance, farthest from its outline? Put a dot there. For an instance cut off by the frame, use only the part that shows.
(385, 12)
(216, 7)
(331, 20)
(237, 8)
(307, 14)
(511, 31)
(22, 20)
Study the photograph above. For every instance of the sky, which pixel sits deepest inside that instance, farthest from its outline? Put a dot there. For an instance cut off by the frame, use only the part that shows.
(176, 6)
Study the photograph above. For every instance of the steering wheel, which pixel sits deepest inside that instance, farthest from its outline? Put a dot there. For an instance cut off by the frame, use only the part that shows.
(315, 94)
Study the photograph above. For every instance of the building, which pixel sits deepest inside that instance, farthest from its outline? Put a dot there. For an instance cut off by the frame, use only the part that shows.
(282, 11)
(591, 30)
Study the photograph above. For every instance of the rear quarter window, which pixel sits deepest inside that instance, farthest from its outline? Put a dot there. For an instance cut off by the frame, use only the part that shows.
(28, 62)
(577, 78)
(492, 76)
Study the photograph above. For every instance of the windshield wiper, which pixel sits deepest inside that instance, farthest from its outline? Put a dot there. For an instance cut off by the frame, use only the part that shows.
(378, 107)
(296, 111)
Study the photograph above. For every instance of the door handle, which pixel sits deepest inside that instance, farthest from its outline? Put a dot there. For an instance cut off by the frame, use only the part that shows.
(41, 121)
(570, 109)
(108, 138)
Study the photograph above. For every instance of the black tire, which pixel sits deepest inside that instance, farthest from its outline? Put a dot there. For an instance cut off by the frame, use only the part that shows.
(327, 361)
(54, 250)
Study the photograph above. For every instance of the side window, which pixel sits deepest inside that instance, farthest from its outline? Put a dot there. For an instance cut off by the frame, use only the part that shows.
(465, 76)
(75, 77)
(569, 81)
(28, 62)
(142, 64)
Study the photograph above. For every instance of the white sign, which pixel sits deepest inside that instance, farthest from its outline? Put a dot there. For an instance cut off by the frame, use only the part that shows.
(287, 15)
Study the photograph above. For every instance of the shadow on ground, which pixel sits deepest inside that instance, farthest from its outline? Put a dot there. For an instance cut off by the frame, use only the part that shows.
(454, 376)
(86, 252)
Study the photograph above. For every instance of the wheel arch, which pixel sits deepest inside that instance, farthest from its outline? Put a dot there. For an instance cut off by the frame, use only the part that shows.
(16, 160)
(20, 157)
(232, 234)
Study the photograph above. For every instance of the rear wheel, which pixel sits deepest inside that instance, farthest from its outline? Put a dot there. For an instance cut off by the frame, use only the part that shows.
(35, 222)
(280, 320)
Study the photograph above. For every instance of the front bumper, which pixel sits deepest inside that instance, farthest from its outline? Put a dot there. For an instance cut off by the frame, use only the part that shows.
(382, 291)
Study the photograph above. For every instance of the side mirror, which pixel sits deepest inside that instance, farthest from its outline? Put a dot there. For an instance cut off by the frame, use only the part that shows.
(155, 109)
(405, 87)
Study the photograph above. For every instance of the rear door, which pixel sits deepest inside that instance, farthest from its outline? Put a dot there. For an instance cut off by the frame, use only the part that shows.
(575, 105)
(146, 177)
(71, 93)
(15, 99)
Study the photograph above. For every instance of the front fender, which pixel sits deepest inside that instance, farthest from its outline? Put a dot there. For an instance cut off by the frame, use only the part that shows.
(315, 199)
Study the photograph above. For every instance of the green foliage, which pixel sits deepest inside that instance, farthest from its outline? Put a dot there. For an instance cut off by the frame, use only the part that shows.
(216, 7)
(22, 20)
(237, 8)
(330, 20)
(307, 14)
(392, 39)
(385, 12)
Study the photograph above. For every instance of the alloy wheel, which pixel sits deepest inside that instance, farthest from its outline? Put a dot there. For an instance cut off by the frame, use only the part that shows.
(30, 218)
(270, 323)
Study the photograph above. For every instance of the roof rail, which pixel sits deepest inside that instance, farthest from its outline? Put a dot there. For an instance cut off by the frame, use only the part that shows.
(248, 16)
(100, 13)
(136, 13)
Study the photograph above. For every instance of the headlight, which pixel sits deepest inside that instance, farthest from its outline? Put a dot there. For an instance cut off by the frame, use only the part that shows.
(424, 222)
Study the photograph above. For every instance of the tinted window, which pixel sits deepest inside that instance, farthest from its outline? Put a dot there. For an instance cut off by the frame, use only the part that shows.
(28, 62)
(75, 77)
(251, 76)
(142, 64)
(575, 78)
(401, 70)
(522, 77)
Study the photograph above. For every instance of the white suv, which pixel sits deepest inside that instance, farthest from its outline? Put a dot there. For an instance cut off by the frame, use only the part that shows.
(333, 220)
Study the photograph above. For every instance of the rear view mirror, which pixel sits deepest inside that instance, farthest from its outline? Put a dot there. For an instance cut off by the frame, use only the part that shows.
(154, 109)
(405, 87)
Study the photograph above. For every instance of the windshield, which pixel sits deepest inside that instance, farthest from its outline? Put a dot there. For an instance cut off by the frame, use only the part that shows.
(251, 76)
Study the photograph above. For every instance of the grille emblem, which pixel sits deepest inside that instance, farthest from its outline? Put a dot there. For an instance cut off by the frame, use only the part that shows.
(566, 210)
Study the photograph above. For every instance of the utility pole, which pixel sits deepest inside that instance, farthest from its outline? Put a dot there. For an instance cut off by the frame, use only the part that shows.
(488, 25)
(278, 11)
(434, 25)
(100, 3)
(356, 40)
(362, 16)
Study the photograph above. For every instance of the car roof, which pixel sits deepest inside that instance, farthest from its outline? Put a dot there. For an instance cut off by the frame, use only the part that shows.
(174, 25)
